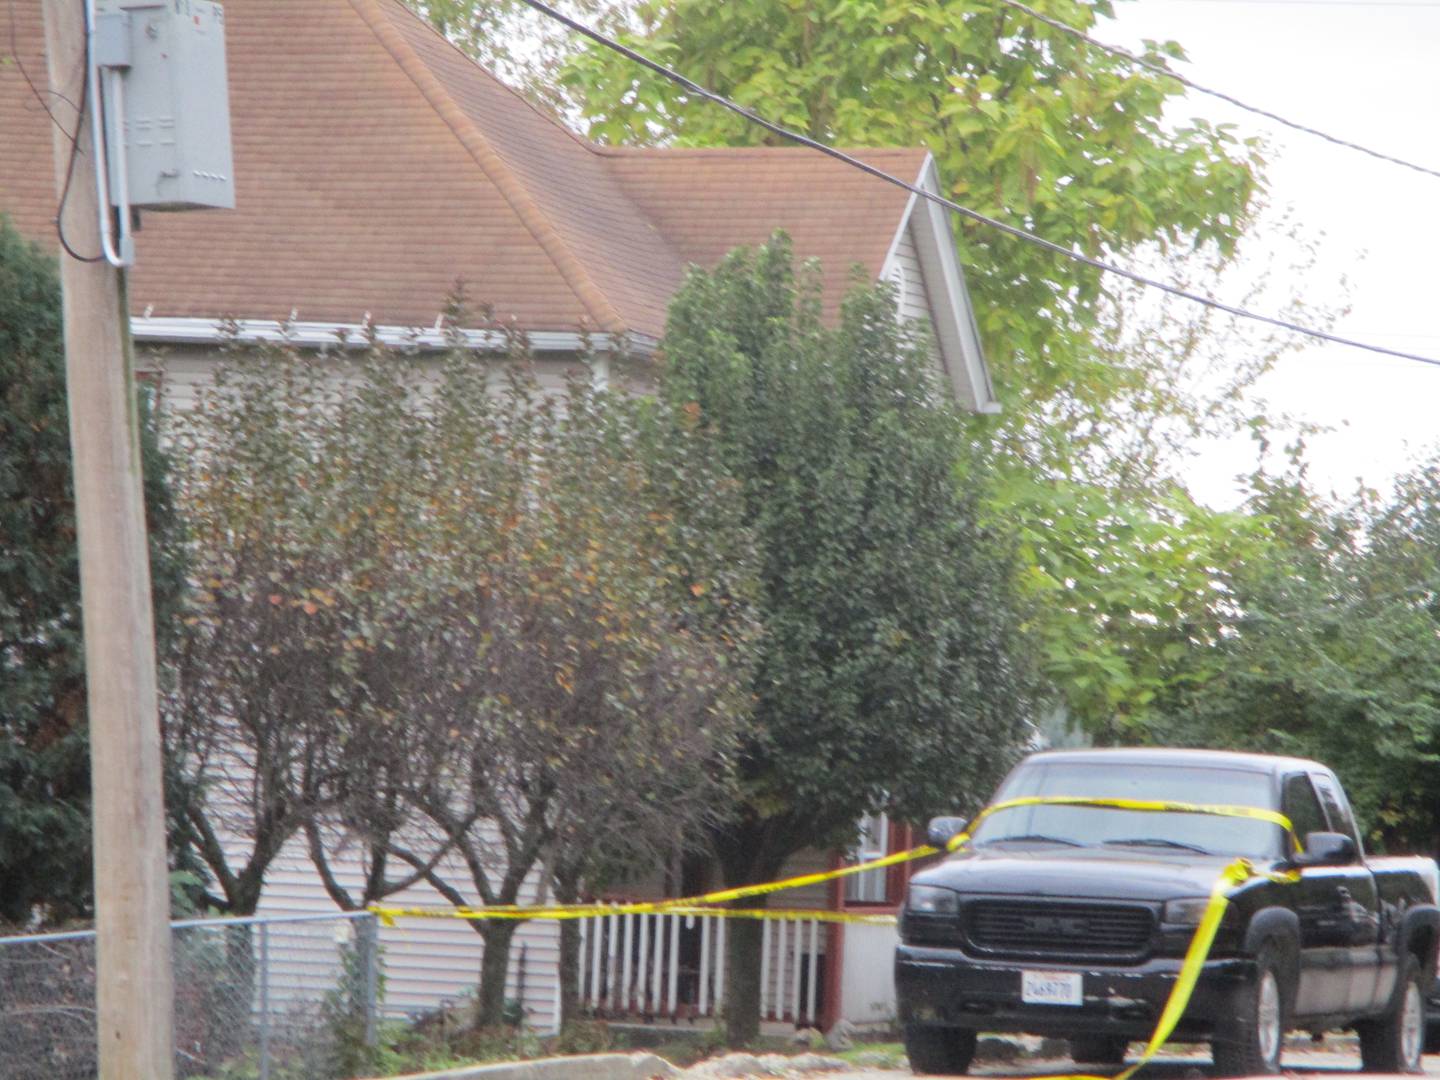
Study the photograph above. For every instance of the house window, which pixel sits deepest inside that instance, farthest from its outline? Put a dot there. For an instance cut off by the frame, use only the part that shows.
(873, 842)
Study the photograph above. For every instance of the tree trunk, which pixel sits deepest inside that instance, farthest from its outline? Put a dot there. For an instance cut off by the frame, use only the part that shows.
(567, 891)
(494, 966)
(745, 859)
(743, 940)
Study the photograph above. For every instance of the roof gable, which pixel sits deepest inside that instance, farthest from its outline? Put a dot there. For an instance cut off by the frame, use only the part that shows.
(952, 316)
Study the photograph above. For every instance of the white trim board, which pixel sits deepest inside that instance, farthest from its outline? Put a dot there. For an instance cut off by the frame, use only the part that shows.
(956, 334)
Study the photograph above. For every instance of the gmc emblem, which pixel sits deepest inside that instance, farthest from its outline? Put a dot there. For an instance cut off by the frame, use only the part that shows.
(1050, 925)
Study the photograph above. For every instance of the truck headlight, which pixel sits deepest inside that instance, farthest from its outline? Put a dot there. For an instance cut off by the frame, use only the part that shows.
(932, 900)
(1187, 911)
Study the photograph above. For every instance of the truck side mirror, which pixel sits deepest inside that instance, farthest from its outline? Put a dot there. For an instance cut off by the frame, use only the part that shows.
(941, 829)
(1325, 849)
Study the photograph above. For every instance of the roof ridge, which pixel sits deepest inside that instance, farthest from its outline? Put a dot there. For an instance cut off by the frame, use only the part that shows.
(624, 150)
(596, 303)
(525, 99)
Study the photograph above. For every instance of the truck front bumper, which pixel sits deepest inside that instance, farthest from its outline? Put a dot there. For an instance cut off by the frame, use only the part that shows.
(946, 987)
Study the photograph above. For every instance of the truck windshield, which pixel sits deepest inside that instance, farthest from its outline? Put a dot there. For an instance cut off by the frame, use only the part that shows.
(1136, 830)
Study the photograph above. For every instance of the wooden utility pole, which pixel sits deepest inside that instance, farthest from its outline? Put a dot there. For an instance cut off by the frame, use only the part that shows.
(135, 994)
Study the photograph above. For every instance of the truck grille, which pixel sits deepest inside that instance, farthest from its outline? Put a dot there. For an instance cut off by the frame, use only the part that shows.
(1037, 928)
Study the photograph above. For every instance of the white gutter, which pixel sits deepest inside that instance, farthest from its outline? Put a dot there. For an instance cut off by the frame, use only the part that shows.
(169, 330)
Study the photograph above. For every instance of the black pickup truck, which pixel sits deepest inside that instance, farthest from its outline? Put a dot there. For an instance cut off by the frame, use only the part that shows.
(1072, 921)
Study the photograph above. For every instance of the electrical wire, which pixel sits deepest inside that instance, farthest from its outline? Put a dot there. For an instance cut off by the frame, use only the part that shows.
(70, 176)
(1160, 69)
(72, 136)
(24, 74)
(964, 211)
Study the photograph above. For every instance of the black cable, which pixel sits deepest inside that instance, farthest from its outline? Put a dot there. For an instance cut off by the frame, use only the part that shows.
(69, 166)
(24, 74)
(963, 211)
(70, 174)
(73, 137)
(1160, 69)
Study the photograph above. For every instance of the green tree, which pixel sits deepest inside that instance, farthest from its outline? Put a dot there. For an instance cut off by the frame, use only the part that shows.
(45, 871)
(1128, 595)
(1402, 654)
(891, 672)
(1328, 649)
(1127, 572)
(1105, 388)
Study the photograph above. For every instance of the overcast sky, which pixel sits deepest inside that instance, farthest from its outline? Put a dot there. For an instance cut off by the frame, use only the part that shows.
(1369, 71)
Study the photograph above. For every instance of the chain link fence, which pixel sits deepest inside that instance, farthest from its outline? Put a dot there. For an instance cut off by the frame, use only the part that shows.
(255, 999)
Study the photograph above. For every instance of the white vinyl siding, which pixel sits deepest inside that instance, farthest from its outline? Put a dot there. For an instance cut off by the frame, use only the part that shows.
(913, 301)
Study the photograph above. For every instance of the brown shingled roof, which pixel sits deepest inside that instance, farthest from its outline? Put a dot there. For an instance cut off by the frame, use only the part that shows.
(707, 202)
(376, 164)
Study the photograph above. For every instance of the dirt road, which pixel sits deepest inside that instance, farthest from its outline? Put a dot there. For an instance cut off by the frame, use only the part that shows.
(1301, 1063)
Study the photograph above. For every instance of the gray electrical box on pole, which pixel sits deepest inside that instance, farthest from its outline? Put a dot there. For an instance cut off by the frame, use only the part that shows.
(174, 113)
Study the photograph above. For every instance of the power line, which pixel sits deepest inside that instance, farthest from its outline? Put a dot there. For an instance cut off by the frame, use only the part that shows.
(964, 211)
(1160, 69)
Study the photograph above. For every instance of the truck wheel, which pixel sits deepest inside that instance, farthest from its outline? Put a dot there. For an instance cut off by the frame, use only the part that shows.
(939, 1051)
(1262, 1012)
(1394, 1042)
(1099, 1049)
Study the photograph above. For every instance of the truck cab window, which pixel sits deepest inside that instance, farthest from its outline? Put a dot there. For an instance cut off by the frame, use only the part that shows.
(1338, 809)
(1300, 805)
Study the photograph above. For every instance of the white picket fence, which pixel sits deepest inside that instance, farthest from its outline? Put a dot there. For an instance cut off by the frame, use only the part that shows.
(673, 967)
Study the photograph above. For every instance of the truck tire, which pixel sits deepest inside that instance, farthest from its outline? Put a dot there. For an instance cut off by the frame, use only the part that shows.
(1262, 1012)
(939, 1051)
(1393, 1043)
(1099, 1049)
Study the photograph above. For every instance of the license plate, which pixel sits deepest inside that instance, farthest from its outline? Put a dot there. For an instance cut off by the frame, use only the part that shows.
(1051, 988)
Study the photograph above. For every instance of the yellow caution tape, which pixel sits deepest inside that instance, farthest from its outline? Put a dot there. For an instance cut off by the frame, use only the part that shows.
(785, 915)
(558, 913)
(1236, 873)
(657, 907)
(1254, 813)
(722, 896)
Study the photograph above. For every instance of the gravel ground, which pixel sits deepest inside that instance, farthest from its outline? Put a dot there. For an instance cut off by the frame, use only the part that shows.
(1300, 1062)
